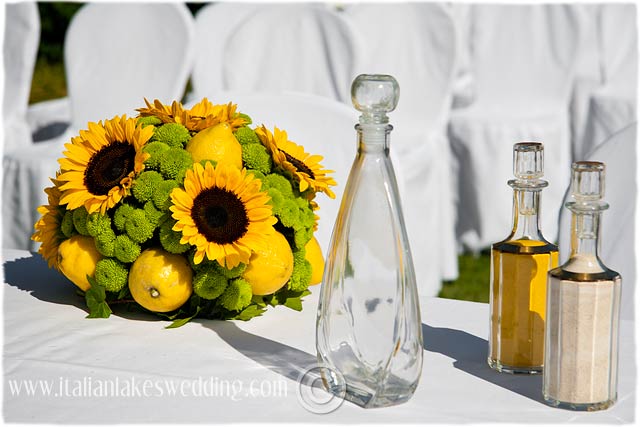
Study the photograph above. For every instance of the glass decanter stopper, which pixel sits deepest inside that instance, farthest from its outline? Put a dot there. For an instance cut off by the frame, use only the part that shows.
(519, 266)
(583, 306)
(368, 329)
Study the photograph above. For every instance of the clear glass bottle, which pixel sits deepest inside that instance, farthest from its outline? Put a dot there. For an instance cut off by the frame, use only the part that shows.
(519, 266)
(583, 306)
(368, 325)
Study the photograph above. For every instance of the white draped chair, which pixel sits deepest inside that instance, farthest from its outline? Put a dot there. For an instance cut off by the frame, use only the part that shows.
(523, 61)
(115, 55)
(416, 43)
(617, 229)
(321, 125)
(614, 105)
(20, 49)
(463, 82)
(302, 47)
(588, 75)
(141, 50)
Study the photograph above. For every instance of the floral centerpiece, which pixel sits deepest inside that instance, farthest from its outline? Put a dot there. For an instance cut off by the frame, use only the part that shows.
(185, 213)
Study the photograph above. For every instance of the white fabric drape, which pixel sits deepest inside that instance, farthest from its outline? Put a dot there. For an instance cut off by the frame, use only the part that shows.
(613, 106)
(523, 62)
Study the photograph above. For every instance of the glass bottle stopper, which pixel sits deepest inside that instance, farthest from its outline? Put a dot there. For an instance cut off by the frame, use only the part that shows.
(375, 95)
(528, 165)
(587, 186)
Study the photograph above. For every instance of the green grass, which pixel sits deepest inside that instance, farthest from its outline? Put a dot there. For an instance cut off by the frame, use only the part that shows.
(48, 81)
(473, 281)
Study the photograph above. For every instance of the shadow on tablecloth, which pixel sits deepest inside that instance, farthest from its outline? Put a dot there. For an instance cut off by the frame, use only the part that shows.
(468, 351)
(279, 358)
(33, 275)
(470, 355)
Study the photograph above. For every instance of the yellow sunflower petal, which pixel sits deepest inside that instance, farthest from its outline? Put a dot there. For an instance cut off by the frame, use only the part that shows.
(106, 142)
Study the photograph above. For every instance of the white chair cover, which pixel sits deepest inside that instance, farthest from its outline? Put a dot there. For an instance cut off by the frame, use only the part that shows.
(588, 76)
(402, 40)
(613, 106)
(617, 244)
(215, 24)
(20, 48)
(322, 126)
(115, 55)
(142, 50)
(302, 47)
(522, 58)
(463, 83)
(49, 119)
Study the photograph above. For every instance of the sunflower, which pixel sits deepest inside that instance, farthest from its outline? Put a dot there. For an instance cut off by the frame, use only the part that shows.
(223, 213)
(48, 226)
(202, 115)
(101, 163)
(292, 158)
(316, 218)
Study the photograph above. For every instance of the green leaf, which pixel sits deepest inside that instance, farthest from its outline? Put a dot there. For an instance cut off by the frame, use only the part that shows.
(96, 297)
(258, 300)
(250, 312)
(184, 321)
(292, 299)
(270, 299)
(124, 292)
(294, 303)
(169, 316)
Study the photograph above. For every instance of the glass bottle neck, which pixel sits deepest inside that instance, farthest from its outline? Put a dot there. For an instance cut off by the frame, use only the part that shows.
(526, 214)
(585, 239)
(373, 138)
(585, 229)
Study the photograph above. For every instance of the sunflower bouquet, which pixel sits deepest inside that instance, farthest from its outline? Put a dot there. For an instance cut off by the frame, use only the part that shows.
(185, 213)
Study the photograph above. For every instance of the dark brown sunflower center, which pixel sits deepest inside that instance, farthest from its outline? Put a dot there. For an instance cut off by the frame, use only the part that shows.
(108, 166)
(298, 164)
(219, 215)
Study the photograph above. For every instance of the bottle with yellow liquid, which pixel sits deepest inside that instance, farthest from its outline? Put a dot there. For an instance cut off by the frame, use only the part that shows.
(519, 266)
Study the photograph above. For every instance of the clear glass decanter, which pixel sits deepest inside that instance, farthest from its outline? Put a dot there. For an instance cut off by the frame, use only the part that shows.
(519, 266)
(368, 328)
(583, 306)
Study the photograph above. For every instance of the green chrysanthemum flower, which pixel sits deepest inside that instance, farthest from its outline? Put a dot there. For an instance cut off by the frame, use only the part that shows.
(209, 284)
(237, 295)
(111, 274)
(173, 134)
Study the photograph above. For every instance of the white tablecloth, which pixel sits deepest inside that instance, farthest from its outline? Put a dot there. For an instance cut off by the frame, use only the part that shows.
(247, 371)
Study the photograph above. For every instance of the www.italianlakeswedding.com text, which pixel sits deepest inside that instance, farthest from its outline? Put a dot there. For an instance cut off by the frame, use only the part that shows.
(132, 387)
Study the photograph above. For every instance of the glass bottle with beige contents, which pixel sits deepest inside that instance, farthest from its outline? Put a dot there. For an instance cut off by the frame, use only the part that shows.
(583, 304)
(519, 266)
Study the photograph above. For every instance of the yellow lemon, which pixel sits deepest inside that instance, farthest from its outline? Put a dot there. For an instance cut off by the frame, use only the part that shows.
(269, 269)
(216, 143)
(313, 254)
(77, 258)
(160, 281)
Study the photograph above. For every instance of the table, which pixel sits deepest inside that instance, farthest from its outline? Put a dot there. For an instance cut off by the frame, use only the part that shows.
(126, 368)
